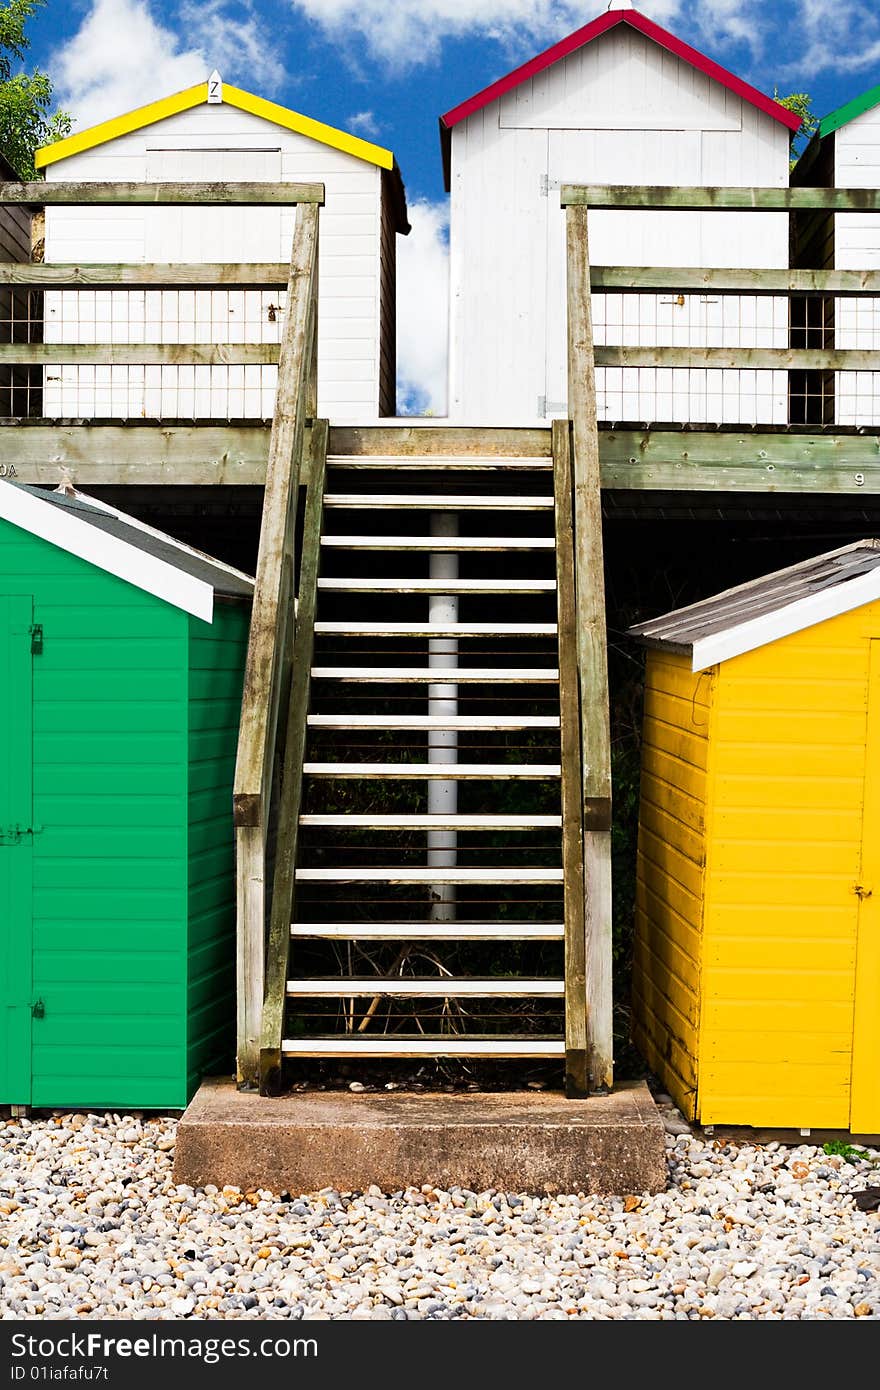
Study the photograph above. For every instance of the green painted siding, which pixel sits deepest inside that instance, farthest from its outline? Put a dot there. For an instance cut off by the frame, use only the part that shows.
(133, 832)
(216, 668)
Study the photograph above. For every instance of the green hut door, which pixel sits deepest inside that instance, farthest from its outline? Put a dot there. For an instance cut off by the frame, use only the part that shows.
(16, 848)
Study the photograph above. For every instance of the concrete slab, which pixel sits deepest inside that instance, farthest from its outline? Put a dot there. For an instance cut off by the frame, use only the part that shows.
(530, 1141)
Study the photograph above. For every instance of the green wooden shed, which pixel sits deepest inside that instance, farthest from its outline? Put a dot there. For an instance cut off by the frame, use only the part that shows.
(121, 666)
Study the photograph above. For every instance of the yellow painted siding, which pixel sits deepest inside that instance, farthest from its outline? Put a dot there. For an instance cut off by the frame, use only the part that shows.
(783, 834)
(671, 856)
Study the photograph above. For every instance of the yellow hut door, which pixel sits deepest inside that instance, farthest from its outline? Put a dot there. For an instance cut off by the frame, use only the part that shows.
(865, 1091)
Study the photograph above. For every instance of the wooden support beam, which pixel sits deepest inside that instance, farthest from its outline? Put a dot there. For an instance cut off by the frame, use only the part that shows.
(577, 1068)
(95, 194)
(138, 354)
(148, 454)
(182, 275)
(740, 461)
(424, 440)
(741, 358)
(721, 199)
(592, 651)
(687, 280)
(290, 800)
(652, 459)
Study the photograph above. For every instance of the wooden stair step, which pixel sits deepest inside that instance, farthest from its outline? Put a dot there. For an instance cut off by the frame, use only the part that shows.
(403, 988)
(435, 821)
(464, 463)
(490, 723)
(436, 502)
(438, 586)
(429, 931)
(442, 1046)
(436, 675)
(334, 629)
(439, 543)
(429, 875)
(437, 771)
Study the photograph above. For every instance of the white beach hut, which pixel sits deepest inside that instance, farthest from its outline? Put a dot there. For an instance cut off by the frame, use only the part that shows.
(621, 101)
(217, 132)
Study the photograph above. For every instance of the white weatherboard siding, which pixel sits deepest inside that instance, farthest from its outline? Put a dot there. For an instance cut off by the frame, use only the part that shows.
(619, 111)
(207, 143)
(857, 247)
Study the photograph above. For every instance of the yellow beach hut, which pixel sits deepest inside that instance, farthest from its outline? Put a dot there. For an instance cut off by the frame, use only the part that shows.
(757, 952)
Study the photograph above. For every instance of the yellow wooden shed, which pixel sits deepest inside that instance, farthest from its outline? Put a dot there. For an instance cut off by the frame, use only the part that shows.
(757, 951)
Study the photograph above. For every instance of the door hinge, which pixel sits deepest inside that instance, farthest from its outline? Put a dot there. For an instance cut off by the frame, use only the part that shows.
(38, 1009)
(37, 639)
(546, 184)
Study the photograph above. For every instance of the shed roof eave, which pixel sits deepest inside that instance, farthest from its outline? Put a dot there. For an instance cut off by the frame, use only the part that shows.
(593, 30)
(849, 111)
(192, 97)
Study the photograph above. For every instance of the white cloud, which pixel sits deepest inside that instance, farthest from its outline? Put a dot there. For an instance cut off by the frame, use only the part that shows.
(423, 310)
(364, 123)
(122, 56)
(407, 32)
(837, 35)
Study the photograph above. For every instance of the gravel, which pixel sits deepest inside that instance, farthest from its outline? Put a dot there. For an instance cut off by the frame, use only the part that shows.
(92, 1226)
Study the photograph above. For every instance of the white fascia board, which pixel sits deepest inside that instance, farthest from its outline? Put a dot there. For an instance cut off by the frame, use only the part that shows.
(107, 552)
(782, 622)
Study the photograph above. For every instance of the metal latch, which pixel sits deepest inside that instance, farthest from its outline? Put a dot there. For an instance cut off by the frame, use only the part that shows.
(37, 639)
(13, 834)
(862, 892)
(38, 1009)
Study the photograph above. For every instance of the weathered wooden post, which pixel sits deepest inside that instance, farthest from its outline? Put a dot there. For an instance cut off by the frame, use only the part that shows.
(592, 653)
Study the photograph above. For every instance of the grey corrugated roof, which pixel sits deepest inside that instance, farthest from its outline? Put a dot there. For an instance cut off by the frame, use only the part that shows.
(222, 578)
(680, 629)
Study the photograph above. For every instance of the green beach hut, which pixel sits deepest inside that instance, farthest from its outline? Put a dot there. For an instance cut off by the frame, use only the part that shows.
(121, 665)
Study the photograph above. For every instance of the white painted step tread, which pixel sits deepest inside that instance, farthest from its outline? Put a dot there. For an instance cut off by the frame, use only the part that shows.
(430, 931)
(325, 629)
(448, 988)
(364, 1046)
(436, 821)
(429, 875)
(449, 502)
(439, 586)
(439, 543)
(466, 462)
(488, 722)
(439, 675)
(437, 771)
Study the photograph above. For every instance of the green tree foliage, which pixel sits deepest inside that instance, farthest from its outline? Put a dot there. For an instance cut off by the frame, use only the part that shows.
(27, 120)
(801, 103)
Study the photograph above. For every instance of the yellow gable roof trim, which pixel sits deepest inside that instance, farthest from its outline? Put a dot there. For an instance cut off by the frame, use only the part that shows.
(196, 96)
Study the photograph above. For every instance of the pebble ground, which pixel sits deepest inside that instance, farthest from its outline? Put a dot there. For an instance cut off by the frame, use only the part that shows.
(92, 1226)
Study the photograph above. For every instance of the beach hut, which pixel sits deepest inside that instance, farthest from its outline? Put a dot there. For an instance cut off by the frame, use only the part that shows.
(621, 101)
(757, 952)
(121, 661)
(844, 153)
(217, 132)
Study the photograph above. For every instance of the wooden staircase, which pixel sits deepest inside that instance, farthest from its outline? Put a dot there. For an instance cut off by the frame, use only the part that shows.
(423, 772)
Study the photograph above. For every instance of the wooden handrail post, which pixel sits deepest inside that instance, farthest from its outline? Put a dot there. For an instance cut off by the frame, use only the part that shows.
(272, 614)
(592, 652)
(577, 1069)
(278, 945)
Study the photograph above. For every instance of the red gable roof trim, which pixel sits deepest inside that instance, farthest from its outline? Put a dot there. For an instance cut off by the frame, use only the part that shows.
(601, 26)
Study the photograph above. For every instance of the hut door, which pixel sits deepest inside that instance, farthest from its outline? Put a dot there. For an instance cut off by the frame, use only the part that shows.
(865, 1087)
(16, 841)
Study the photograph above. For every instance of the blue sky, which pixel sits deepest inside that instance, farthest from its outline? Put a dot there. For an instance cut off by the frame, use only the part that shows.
(387, 68)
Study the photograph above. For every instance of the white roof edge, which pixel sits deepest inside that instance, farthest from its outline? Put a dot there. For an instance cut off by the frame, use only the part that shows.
(111, 553)
(782, 622)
